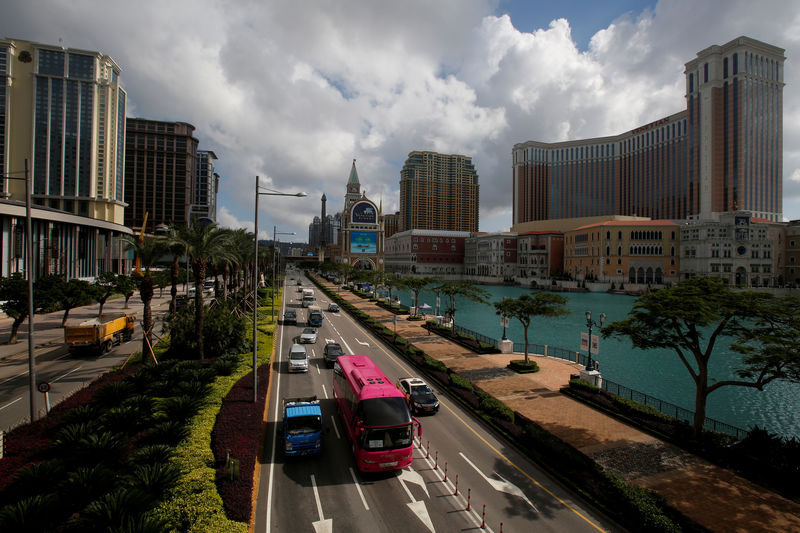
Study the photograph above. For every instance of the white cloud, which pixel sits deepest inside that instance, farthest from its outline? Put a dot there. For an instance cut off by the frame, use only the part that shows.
(293, 91)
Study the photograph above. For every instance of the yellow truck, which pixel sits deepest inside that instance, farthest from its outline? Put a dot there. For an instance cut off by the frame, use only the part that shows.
(100, 333)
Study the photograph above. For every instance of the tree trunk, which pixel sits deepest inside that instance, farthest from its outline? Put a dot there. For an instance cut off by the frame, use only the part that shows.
(527, 361)
(146, 294)
(199, 276)
(225, 276)
(15, 328)
(64, 318)
(100, 311)
(174, 271)
(701, 396)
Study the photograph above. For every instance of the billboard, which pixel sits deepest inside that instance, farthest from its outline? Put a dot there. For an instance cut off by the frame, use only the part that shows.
(364, 213)
(363, 242)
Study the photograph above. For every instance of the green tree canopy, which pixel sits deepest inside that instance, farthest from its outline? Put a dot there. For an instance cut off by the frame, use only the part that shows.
(14, 301)
(691, 317)
(526, 307)
(452, 289)
(416, 285)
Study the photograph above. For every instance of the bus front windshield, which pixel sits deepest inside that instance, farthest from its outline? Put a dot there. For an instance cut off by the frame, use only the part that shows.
(387, 423)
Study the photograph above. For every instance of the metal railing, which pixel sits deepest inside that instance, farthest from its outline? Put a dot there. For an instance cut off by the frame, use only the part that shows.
(670, 409)
(478, 336)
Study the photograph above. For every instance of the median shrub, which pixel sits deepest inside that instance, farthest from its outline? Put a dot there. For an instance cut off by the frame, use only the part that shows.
(461, 382)
(434, 364)
(521, 367)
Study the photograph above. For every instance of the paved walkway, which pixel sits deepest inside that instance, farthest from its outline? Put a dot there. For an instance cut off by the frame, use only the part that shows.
(714, 497)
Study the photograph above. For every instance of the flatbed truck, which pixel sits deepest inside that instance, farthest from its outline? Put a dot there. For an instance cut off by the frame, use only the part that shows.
(302, 426)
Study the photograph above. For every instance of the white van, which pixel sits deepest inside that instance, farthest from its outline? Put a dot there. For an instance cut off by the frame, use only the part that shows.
(298, 359)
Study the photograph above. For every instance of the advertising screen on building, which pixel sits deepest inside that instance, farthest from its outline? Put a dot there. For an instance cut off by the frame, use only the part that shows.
(364, 213)
(363, 242)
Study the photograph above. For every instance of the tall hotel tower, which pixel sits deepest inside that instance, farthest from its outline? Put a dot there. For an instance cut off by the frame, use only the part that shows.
(438, 192)
(64, 111)
(723, 153)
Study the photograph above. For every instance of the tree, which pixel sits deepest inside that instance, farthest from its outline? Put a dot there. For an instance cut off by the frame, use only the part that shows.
(147, 250)
(526, 307)
(690, 317)
(451, 289)
(161, 280)
(14, 301)
(125, 285)
(74, 293)
(416, 285)
(103, 288)
(203, 243)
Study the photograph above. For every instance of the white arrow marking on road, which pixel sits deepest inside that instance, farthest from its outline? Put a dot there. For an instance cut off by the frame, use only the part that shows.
(412, 476)
(417, 507)
(322, 525)
(328, 341)
(502, 485)
(362, 343)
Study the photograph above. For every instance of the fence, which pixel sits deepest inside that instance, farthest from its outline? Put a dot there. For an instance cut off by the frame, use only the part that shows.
(671, 409)
(478, 336)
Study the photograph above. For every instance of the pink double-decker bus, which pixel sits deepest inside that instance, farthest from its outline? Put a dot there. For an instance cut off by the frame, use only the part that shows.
(374, 413)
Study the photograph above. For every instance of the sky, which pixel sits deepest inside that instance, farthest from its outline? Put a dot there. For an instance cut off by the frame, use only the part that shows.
(293, 91)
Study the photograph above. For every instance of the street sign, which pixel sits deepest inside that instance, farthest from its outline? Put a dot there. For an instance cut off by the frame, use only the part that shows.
(595, 344)
(584, 342)
(43, 387)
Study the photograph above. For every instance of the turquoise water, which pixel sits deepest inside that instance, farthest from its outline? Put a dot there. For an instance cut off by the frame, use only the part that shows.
(658, 373)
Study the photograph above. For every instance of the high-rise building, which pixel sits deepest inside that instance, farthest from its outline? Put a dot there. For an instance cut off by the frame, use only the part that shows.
(438, 192)
(160, 167)
(206, 185)
(721, 154)
(63, 110)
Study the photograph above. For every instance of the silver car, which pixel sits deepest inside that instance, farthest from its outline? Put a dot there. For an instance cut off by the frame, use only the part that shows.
(298, 359)
(309, 336)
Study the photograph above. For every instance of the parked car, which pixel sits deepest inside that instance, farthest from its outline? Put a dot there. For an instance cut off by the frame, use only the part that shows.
(290, 317)
(298, 359)
(331, 352)
(299, 281)
(333, 308)
(419, 395)
(309, 336)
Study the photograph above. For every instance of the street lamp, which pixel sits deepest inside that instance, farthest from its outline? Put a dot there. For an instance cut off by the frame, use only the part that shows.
(589, 324)
(30, 266)
(275, 233)
(267, 192)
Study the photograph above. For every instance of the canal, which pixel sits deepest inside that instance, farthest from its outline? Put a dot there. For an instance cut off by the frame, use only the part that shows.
(658, 373)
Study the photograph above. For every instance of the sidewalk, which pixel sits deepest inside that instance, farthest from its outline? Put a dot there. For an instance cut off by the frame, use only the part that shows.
(47, 330)
(714, 497)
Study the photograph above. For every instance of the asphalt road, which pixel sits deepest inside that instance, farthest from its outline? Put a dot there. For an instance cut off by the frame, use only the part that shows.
(327, 493)
(54, 364)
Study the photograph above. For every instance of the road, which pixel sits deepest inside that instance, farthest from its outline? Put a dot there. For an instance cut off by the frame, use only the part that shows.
(64, 372)
(461, 478)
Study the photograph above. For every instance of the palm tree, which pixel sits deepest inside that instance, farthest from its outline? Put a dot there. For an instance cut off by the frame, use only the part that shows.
(526, 307)
(148, 250)
(203, 244)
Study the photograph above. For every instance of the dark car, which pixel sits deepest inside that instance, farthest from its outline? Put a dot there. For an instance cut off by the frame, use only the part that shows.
(331, 352)
(290, 317)
(419, 395)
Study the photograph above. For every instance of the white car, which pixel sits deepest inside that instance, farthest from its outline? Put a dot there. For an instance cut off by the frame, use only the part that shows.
(298, 359)
(309, 336)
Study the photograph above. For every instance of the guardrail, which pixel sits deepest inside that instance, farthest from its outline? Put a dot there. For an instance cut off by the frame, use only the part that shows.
(671, 409)
(478, 336)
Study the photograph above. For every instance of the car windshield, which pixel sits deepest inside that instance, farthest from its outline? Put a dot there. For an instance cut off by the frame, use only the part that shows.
(309, 331)
(303, 424)
(334, 349)
(290, 314)
(297, 355)
(422, 393)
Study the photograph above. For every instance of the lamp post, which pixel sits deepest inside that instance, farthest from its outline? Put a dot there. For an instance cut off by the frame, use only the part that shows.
(275, 233)
(267, 192)
(30, 268)
(589, 324)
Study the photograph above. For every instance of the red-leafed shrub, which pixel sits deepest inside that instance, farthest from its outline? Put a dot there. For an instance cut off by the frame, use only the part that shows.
(29, 443)
(238, 429)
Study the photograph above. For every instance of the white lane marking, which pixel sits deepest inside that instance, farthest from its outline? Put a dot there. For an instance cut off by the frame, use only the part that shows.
(274, 433)
(502, 485)
(335, 428)
(324, 391)
(328, 341)
(417, 507)
(14, 377)
(361, 343)
(67, 374)
(358, 486)
(320, 525)
(451, 489)
(10, 403)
